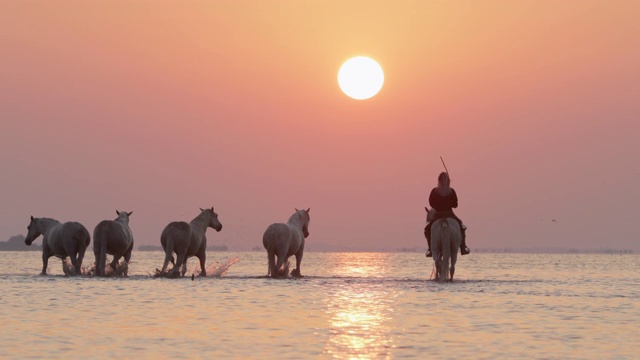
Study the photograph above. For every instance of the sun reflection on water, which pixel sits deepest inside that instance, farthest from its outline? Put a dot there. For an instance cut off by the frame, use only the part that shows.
(359, 310)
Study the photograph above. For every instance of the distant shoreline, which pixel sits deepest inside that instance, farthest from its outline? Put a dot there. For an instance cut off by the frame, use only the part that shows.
(16, 243)
(473, 251)
(159, 248)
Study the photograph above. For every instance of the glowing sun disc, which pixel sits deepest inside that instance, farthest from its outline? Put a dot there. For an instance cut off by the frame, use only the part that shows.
(360, 78)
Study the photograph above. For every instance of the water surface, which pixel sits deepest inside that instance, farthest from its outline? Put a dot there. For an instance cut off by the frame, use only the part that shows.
(348, 306)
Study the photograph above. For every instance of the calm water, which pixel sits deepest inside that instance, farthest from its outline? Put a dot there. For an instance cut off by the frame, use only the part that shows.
(348, 306)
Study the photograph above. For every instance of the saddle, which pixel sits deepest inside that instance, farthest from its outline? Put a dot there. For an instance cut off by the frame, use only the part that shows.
(446, 214)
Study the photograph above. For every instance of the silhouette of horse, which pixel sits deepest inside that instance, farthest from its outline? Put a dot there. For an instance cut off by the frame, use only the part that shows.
(61, 240)
(113, 237)
(445, 242)
(188, 240)
(284, 240)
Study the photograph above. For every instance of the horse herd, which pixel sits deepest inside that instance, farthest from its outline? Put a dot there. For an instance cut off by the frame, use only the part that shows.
(186, 240)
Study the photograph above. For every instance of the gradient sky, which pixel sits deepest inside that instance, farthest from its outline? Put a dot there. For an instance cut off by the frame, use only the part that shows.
(162, 107)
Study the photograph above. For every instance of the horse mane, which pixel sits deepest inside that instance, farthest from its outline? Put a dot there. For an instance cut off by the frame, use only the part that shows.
(202, 214)
(297, 217)
(47, 220)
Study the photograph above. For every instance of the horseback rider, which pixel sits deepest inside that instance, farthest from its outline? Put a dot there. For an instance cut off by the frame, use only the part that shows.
(443, 198)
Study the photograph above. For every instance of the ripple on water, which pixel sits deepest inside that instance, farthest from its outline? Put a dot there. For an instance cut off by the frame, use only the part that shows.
(348, 306)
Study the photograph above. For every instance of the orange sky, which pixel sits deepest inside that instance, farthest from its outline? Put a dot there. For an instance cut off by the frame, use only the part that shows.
(162, 107)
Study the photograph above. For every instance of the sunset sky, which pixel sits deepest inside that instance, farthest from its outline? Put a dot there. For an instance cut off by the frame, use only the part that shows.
(163, 107)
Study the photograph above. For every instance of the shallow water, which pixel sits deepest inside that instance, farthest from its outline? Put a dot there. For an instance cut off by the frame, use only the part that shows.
(348, 305)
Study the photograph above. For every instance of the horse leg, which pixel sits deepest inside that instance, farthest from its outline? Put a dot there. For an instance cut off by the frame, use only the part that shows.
(181, 259)
(437, 257)
(202, 256)
(296, 272)
(45, 261)
(184, 268)
(168, 256)
(280, 262)
(80, 259)
(454, 258)
(75, 263)
(127, 253)
(127, 259)
(72, 249)
(453, 266)
(114, 262)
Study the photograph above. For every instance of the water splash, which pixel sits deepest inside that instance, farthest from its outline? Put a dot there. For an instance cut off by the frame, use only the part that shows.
(214, 269)
(217, 269)
(122, 269)
(284, 271)
(67, 267)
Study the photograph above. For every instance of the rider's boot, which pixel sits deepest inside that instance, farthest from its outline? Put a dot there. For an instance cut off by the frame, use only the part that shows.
(464, 250)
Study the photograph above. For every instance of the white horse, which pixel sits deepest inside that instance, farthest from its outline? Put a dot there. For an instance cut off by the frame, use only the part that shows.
(112, 237)
(445, 242)
(285, 240)
(61, 240)
(188, 240)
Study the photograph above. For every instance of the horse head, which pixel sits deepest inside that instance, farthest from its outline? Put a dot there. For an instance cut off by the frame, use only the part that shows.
(124, 216)
(214, 222)
(33, 231)
(431, 213)
(305, 218)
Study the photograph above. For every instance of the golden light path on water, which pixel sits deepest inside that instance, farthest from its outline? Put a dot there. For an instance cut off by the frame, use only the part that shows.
(359, 311)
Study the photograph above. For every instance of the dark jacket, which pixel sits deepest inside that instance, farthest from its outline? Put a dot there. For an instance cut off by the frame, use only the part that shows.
(443, 203)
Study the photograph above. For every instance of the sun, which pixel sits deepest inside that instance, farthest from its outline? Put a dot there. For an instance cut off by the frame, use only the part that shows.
(360, 78)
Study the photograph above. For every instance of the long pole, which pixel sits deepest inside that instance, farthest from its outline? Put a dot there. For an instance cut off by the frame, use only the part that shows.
(445, 166)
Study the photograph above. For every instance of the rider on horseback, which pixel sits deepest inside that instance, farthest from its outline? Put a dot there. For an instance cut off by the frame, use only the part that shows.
(443, 198)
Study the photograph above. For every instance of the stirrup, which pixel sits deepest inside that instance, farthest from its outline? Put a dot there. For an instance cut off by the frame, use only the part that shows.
(428, 254)
(465, 250)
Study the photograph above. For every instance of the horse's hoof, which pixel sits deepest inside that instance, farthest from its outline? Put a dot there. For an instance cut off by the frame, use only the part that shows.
(296, 273)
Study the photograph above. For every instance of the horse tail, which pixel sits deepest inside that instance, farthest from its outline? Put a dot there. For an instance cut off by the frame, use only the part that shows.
(269, 244)
(100, 239)
(271, 258)
(84, 240)
(75, 243)
(168, 245)
(446, 249)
